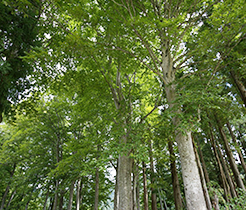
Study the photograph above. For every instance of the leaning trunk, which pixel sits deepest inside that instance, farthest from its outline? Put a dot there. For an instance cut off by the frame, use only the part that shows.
(191, 178)
(229, 154)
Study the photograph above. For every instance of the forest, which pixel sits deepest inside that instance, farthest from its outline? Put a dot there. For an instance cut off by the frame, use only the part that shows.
(122, 104)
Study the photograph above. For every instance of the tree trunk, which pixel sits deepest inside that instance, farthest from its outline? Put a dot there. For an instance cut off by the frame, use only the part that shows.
(152, 178)
(227, 173)
(125, 182)
(240, 86)
(61, 199)
(146, 204)
(70, 202)
(222, 174)
(175, 179)
(231, 158)
(237, 147)
(204, 186)
(203, 164)
(136, 202)
(96, 190)
(56, 195)
(46, 199)
(116, 194)
(11, 198)
(191, 178)
(78, 194)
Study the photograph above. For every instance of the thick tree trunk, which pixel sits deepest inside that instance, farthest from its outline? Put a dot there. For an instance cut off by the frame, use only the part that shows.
(146, 203)
(204, 186)
(96, 190)
(191, 178)
(125, 182)
(233, 165)
(237, 147)
(175, 179)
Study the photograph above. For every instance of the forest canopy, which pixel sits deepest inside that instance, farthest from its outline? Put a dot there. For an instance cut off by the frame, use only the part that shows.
(122, 104)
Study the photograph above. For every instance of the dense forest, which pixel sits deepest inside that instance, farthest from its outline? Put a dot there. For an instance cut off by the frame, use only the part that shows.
(122, 104)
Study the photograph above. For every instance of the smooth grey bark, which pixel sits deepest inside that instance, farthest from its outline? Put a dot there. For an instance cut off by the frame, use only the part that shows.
(125, 182)
(237, 147)
(145, 195)
(191, 178)
(175, 179)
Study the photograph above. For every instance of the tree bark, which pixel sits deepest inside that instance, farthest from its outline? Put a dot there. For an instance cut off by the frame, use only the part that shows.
(175, 179)
(191, 178)
(233, 165)
(237, 147)
(116, 194)
(46, 199)
(203, 164)
(125, 182)
(222, 174)
(56, 195)
(78, 194)
(204, 186)
(227, 173)
(240, 86)
(152, 178)
(136, 201)
(146, 204)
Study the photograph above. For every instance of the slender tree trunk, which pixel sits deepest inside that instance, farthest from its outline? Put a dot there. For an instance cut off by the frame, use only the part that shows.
(116, 194)
(135, 187)
(237, 147)
(11, 198)
(227, 173)
(222, 174)
(203, 164)
(7, 188)
(175, 179)
(152, 178)
(46, 199)
(191, 178)
(146, 203)
(231, 158)
(96, 190)
(61, 199)
(240, 86)
(27, 204)
(70, 202)
(5, 196)
(204, 186)
(56, 195)
(78, 194)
